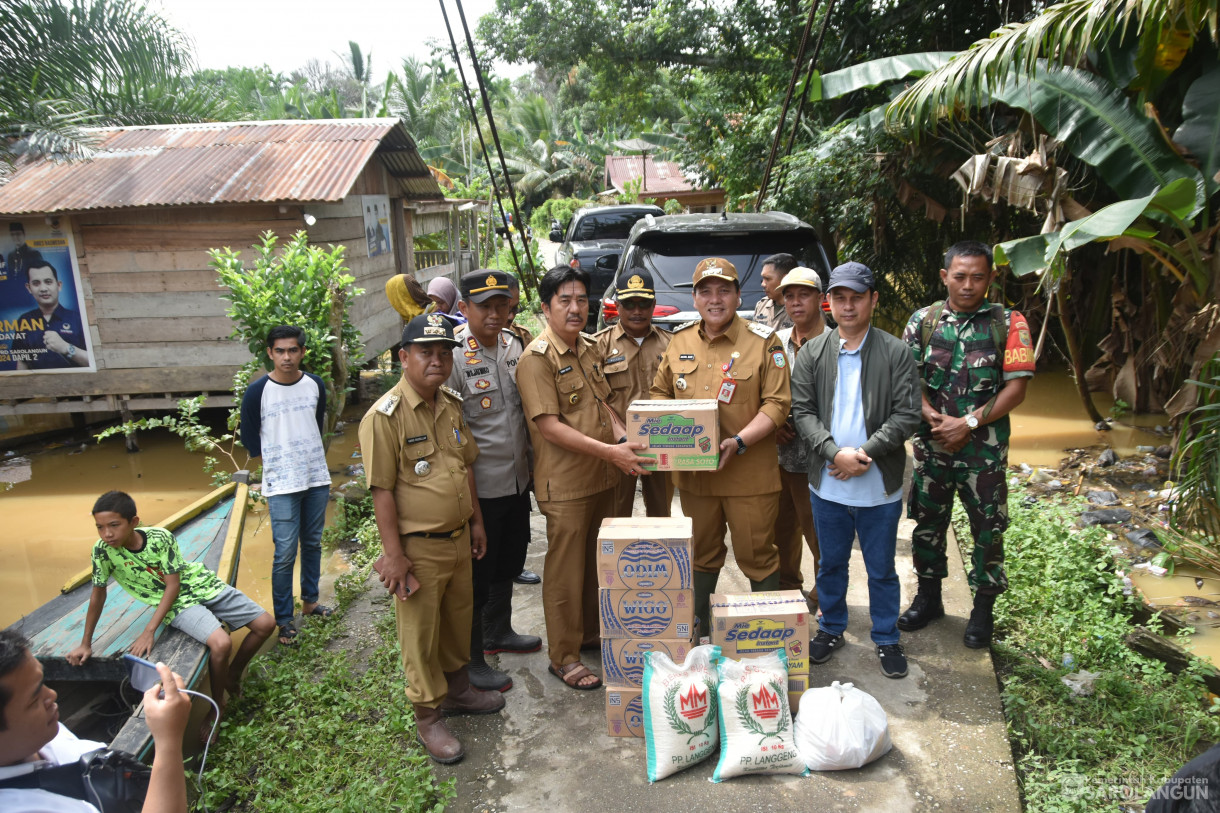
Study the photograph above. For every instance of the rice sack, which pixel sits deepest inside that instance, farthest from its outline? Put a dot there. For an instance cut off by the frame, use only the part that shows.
(680, 715)
(755, 722)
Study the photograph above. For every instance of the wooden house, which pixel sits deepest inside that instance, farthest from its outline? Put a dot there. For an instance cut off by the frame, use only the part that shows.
(661, 181)
(139, 217)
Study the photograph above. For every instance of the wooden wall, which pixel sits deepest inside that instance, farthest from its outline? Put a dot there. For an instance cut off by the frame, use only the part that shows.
(156, 319)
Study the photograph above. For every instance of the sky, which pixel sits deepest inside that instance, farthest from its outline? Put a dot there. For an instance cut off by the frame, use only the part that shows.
(285, 34)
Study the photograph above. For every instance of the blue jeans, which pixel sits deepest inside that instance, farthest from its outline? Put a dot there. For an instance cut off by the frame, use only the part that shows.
(296, 516)
(838, 525)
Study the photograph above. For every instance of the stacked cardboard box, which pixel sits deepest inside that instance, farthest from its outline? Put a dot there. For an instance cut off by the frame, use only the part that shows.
(646, 604)
(750, 624)
(681, 435)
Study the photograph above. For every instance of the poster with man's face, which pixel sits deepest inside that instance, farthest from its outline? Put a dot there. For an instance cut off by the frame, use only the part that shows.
(377, 223)
(43, 327)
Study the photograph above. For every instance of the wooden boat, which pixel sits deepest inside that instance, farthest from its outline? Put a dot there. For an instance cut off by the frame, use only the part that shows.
(96, 701)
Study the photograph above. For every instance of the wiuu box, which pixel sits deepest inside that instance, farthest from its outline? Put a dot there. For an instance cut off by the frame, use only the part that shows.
(652, 614)
(623, 658)
(644, 554)
(681, 435)
(752, 624)
(624, 712)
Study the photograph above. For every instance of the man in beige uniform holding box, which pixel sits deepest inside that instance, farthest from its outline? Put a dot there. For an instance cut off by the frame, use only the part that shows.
(563, 390)
(417, 457)
(631, 352)
(743, 366)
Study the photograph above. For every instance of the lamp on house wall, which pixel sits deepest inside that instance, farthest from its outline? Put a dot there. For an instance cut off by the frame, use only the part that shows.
(309, 219)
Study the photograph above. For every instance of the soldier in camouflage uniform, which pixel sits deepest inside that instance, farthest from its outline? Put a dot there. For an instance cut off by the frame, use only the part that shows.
(970, 384)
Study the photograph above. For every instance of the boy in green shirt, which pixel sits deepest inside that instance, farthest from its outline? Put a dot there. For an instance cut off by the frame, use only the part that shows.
(148, 565)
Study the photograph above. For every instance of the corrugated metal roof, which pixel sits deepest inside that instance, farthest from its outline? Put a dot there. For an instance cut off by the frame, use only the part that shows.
(231, 162)
(662, 176)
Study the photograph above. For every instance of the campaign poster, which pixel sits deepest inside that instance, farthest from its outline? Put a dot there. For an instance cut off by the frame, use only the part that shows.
(43, 327)
(377, 223)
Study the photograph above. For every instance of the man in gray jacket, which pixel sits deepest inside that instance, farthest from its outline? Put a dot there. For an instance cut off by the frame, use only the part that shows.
(855, 401)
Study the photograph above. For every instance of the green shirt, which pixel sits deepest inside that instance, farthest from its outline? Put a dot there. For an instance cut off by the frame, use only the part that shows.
(142, 572)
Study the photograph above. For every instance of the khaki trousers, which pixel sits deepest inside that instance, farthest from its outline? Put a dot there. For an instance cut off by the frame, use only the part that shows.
(795, 519)
(434, 622)
(750, 521)
(569, 575)
(658, 494)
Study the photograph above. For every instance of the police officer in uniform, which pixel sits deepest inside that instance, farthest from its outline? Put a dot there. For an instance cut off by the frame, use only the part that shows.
(742, 365)
(577, 461)
(418, 453)
(485, 375)
(631, 351)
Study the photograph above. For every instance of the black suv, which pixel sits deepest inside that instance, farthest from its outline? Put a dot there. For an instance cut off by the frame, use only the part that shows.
(594, 233)
(669, 248)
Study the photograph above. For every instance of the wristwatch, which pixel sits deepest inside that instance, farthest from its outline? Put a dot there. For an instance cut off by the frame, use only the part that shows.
(71, 352)
(741, 444)
(972, 421)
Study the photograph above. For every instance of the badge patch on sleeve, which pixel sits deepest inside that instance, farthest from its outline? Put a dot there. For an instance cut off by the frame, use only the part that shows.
(778, 358)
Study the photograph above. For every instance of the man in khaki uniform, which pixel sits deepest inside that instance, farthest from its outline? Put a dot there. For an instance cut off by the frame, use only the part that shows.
(769, 310)
(743, 366)
(417, 457)
(576, 455)
(630, 352)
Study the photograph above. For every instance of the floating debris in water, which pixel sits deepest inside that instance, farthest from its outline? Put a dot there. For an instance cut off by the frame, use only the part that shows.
(15, 469)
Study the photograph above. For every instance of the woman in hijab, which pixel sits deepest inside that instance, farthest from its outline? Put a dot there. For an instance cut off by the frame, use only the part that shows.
(444, 293)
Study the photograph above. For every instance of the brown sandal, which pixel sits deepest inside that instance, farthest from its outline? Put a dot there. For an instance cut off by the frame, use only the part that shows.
(573, 673)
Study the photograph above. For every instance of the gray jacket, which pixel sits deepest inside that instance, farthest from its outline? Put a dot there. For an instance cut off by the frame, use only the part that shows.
(889, 388)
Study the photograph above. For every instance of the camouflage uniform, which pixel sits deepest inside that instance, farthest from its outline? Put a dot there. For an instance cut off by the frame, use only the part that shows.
(961, 369)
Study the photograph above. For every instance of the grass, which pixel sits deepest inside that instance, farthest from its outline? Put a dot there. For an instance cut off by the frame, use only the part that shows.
(314, 731)
(1140, 724)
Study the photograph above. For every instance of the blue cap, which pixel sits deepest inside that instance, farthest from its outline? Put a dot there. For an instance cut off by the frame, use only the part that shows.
(857, 276)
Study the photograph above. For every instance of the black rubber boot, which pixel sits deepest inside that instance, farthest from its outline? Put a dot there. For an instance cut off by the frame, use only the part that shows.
(705, 585)
(981, 625)
(498, 633)
(925, 608)
(482, 676)
(769, 583)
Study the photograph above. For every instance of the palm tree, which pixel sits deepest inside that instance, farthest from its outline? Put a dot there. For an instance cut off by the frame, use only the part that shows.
(66, 65)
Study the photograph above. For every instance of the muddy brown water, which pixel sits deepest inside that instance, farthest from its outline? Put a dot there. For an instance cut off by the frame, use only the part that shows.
(49, 530)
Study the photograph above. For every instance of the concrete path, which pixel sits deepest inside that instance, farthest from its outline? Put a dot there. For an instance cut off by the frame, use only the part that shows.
(548, 749)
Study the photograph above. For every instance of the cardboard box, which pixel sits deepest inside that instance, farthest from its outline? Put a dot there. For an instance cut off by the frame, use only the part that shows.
(645, 555)
(623, 658)
(624, 713)
(681, 435)
(654, 614)
(797, 686)
(750, 624)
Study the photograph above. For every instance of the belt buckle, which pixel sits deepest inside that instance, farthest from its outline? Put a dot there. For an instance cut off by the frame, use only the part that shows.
(455, 534)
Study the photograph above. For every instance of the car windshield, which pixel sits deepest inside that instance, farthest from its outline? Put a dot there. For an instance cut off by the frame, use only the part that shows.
(672, 257)
(610, 226)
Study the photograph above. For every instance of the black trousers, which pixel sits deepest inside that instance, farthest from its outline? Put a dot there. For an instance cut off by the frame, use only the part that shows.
(507, 523)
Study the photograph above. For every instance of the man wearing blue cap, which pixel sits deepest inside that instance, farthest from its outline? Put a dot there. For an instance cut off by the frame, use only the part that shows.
(855, 401)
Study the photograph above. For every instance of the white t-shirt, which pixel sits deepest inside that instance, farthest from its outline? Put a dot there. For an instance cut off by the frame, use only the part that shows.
(293, 457)
(64, 749)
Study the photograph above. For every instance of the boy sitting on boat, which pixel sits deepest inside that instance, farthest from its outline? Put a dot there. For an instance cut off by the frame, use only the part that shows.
(148, 565)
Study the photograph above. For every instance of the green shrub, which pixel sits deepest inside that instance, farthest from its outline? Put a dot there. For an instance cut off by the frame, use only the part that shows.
(560, 209)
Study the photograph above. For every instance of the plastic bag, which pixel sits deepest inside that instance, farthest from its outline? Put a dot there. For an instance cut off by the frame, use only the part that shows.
(680, 710)
(840, 727)
(755, 722)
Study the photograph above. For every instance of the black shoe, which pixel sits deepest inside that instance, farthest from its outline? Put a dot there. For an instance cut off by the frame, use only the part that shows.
(924, 610)
(979, 628)
(823, 646)
(527, 577)
(893, 660)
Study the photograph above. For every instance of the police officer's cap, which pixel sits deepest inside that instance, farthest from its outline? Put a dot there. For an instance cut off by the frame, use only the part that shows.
(481, 285)
(429, 327)
(857, 276)
(637, 285)
(714, 267)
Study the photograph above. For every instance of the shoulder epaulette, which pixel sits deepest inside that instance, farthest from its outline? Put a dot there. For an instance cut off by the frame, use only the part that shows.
(451, 392)
(606, 329)
(387, 403)
(759, 329)
(539, 346)
(685, 325)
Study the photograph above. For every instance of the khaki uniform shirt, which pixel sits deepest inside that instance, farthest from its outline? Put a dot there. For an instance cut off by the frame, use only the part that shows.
(771, 313)
(555, 379)
(421, 455)
(487, 379)
(629, 367)
(761, 374)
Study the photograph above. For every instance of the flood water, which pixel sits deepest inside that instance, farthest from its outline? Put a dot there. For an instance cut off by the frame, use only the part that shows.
(48, 530)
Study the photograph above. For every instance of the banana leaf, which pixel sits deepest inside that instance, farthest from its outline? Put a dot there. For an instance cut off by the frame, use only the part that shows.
(877, 72)
(1098, 124)
(1200, 128)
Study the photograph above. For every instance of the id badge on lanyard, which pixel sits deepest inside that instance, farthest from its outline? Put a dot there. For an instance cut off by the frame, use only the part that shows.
(728, 386)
